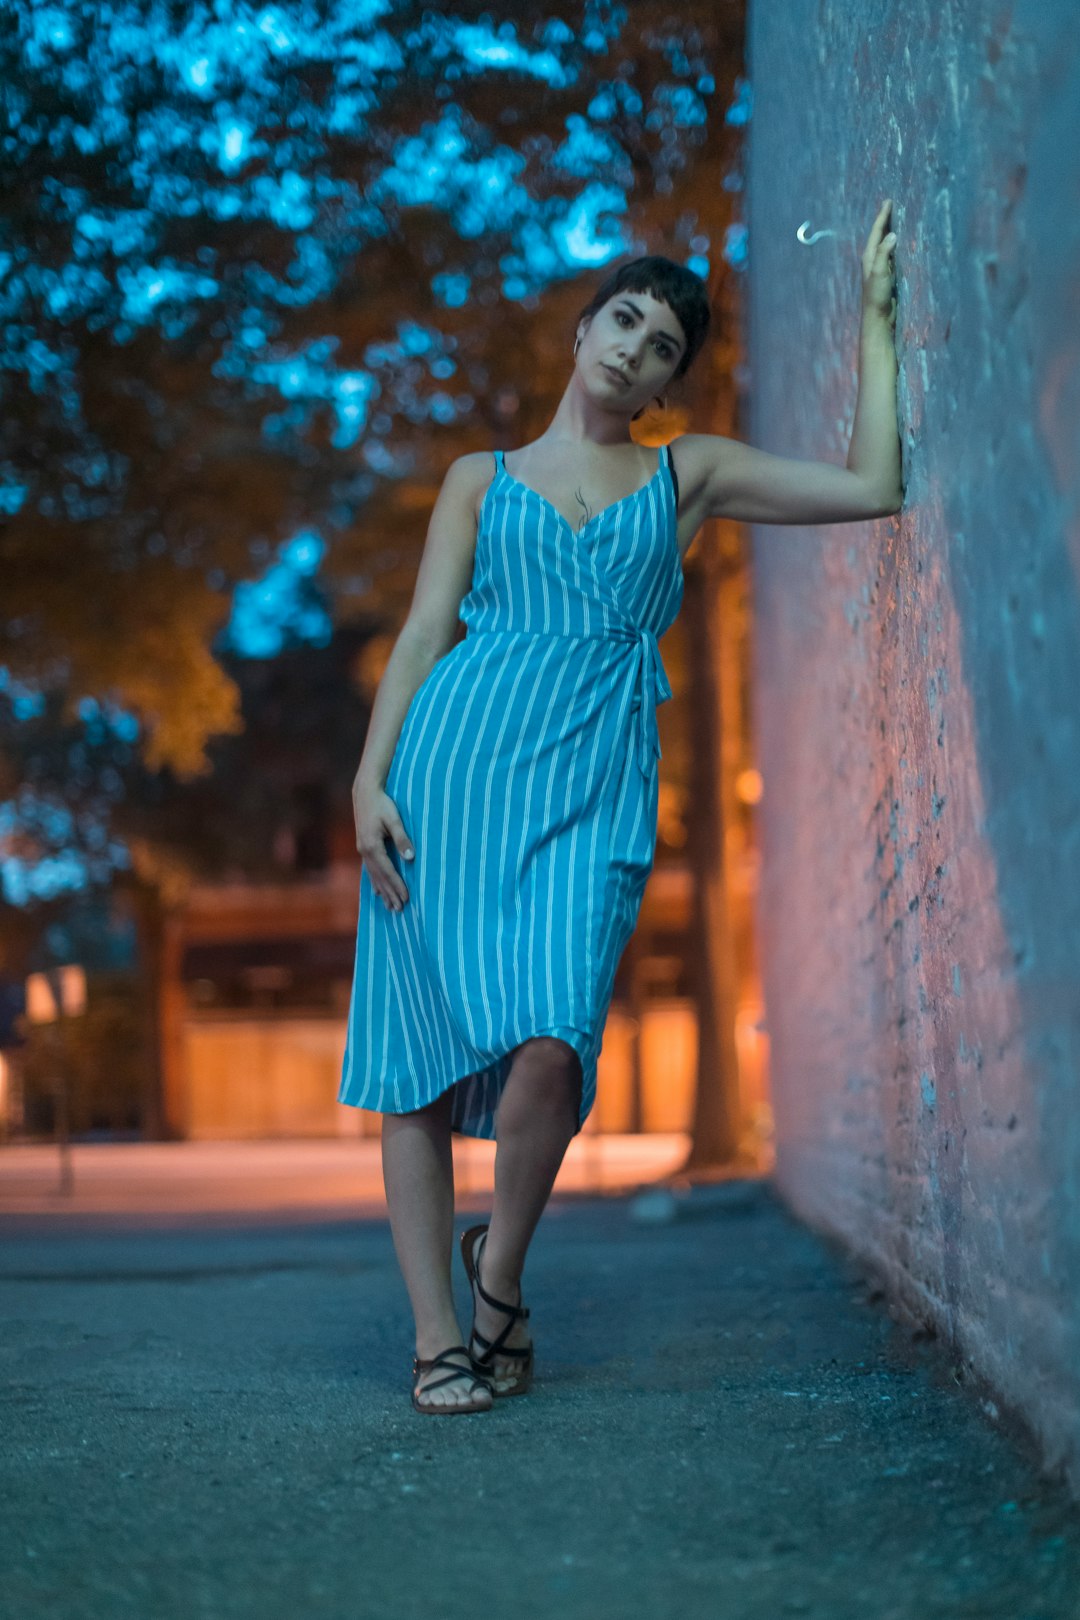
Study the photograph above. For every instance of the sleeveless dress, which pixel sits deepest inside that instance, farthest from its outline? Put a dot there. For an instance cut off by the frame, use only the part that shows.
(525, 776)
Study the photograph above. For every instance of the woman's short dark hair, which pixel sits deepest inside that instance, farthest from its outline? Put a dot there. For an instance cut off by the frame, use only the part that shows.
(674, 284)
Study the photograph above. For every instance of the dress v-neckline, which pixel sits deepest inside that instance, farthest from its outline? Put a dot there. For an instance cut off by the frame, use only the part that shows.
(596, 515)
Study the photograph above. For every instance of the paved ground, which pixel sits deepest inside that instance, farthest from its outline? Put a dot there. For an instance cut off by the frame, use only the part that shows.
(212, 1420)
(161, 1182)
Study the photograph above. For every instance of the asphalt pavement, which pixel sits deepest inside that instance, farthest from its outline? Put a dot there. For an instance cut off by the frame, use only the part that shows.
(211, 1419)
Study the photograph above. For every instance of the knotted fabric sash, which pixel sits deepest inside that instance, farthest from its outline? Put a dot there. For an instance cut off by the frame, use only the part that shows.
(646, 676)
(650, 677)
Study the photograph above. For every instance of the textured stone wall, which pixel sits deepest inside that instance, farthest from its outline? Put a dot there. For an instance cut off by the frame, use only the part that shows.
(917, 679)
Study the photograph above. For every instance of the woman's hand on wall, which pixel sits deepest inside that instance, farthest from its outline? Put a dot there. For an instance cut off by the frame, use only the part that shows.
(877, 268)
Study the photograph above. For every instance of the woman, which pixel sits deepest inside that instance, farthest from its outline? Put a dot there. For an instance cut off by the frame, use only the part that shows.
(512, 775)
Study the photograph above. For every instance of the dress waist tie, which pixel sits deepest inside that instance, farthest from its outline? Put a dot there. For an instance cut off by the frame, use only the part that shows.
(653, 687)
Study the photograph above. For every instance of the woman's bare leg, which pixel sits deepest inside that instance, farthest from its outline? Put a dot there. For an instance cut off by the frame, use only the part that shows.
(536, 1120)
(418, 1173)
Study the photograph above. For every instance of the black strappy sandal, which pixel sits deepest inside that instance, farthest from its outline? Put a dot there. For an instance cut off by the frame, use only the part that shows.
(519, 1382)
(456, 1371)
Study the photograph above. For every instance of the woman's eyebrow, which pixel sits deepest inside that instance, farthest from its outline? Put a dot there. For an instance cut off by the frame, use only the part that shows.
(641, 317)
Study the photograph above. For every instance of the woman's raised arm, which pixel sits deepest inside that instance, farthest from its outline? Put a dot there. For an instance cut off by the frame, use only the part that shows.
(754, 486)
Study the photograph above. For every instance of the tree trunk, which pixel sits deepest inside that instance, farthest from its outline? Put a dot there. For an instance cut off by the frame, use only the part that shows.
(717, 1122)
(147, 912)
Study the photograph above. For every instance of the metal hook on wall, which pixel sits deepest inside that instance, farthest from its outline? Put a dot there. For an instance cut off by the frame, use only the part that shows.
(808, 241)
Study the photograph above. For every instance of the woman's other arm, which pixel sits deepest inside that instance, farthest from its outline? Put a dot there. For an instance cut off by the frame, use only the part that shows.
(429, 631)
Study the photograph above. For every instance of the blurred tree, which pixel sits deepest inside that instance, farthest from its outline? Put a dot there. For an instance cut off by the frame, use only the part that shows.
(285, 269)
(251, 816)
(270, 271)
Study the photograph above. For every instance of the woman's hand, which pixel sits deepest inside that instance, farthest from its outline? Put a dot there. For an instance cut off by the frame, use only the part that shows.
(877, 269)
(377, 819)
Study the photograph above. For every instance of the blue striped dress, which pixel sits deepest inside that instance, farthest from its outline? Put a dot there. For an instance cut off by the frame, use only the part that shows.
(525, 775)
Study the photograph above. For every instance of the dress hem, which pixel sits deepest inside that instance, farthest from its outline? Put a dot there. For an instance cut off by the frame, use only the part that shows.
(559, 1030)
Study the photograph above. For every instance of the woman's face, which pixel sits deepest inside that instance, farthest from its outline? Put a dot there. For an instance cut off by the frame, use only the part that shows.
(636, 335)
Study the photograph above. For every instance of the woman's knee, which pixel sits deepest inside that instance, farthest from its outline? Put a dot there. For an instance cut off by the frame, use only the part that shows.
(552, 1069)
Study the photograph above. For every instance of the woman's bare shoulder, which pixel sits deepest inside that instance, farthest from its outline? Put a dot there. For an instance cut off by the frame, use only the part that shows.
(470, 474)
(694, 453)
(693, 456)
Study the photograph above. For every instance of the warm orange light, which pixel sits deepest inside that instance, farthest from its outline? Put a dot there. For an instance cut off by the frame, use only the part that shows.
(73, 989)
(40, 1002)
(749, 786)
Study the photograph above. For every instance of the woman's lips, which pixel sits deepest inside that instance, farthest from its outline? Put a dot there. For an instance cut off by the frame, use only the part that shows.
(616, 374)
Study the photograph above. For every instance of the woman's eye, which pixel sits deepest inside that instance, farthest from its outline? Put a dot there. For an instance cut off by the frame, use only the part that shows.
(663, 351)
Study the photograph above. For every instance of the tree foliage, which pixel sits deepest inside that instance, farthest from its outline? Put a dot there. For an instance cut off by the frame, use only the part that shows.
(270, 268)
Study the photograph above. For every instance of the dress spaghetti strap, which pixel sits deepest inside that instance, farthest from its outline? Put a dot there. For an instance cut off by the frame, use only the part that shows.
(674, 476)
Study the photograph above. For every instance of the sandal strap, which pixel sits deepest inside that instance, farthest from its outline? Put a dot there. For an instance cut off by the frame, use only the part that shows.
(513, 1311)
(448, 1378)
(421, 1368)
(495, 1347)
(439, 1360)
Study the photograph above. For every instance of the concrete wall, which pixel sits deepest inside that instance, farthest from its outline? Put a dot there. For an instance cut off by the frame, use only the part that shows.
(917, 700)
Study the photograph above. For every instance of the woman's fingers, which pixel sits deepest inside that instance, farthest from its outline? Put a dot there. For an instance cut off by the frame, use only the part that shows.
(383, 878)
(377, 820)
(873, 241)
(398, 833)
(385, 881)
(878, 274)
(394, 828)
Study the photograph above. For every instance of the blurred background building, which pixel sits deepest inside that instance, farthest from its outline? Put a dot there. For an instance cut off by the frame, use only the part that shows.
(217, 512)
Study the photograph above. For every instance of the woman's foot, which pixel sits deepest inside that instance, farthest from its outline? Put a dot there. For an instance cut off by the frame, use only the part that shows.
(438, 1387)
(504, 1372)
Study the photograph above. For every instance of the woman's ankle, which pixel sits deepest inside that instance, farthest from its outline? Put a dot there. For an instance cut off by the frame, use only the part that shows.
(432, 1340)
(498, 1280)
